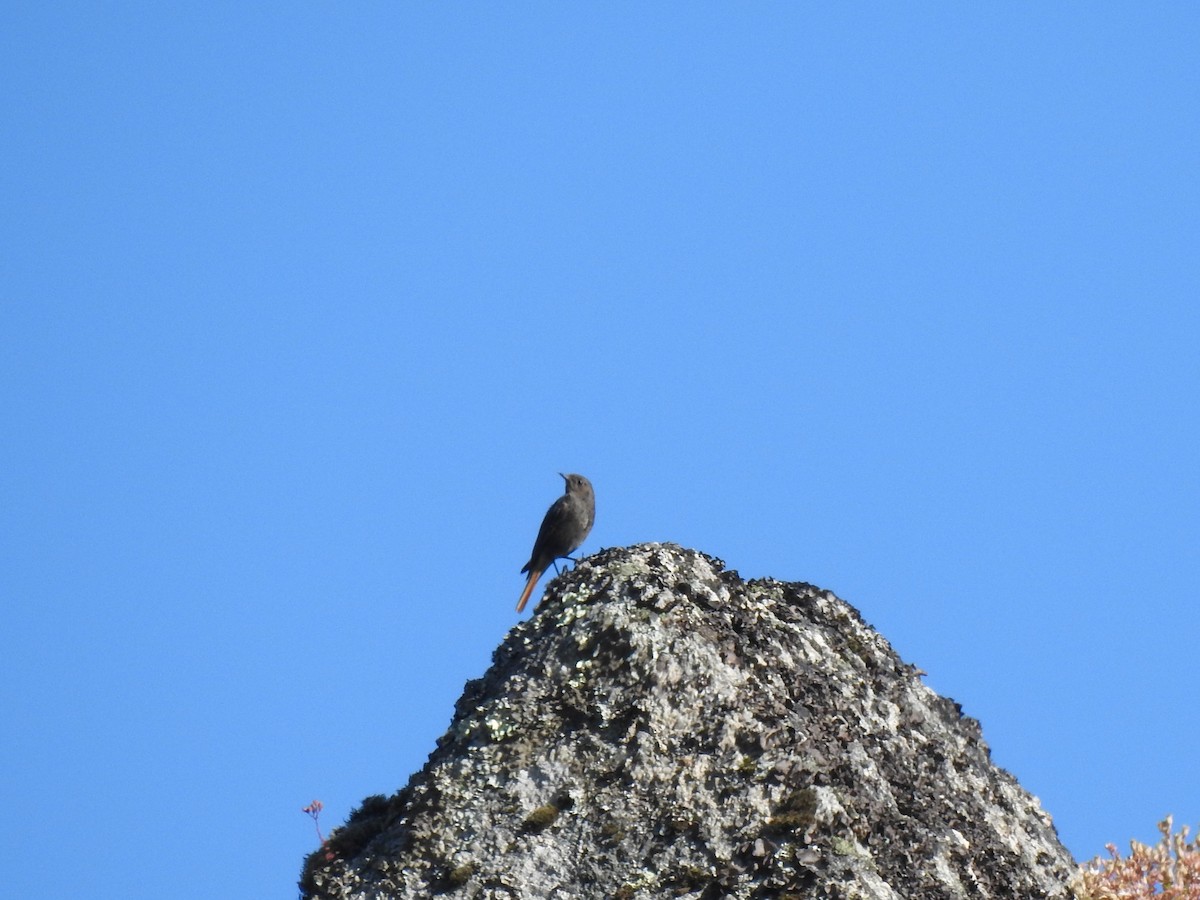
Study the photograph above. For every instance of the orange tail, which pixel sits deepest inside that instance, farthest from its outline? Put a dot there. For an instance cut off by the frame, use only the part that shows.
(534, 575)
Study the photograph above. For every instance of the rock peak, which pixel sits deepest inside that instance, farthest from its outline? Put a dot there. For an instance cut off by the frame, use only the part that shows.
(662, 728)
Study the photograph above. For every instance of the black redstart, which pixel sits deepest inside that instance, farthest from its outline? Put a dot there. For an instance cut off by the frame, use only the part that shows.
(567, 523)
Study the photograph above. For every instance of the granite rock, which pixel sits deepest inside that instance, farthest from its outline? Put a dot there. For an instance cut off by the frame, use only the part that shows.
(662, 728)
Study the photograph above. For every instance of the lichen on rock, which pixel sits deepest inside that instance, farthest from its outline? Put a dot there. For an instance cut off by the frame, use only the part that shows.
(663, 728)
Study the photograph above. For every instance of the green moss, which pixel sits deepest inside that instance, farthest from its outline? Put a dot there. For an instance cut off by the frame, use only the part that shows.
(748, 766)
(460, 875)
(855, 645)
(789, 821)
(541, 818)
(613, 832)
(693, 876)
(797, 811)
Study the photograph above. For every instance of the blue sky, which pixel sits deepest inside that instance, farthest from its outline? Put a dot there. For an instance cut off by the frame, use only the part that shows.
(303, 306)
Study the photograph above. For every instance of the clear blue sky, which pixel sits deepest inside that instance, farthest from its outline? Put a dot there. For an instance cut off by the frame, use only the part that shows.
(304, 305)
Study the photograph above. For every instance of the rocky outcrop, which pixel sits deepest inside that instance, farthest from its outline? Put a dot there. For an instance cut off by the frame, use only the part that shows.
(661, 728)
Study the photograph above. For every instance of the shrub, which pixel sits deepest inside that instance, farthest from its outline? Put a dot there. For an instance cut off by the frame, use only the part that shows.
(1170, 870)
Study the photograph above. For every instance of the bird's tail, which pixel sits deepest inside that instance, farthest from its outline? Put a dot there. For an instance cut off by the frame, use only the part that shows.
(534, 575)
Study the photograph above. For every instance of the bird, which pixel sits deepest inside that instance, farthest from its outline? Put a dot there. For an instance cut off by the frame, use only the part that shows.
(565, 527)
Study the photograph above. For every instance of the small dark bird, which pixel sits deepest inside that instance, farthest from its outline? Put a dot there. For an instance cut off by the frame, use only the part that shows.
(567, 523)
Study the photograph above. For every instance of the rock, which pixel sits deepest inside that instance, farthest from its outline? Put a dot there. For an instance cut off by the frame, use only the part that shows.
(662, 728)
